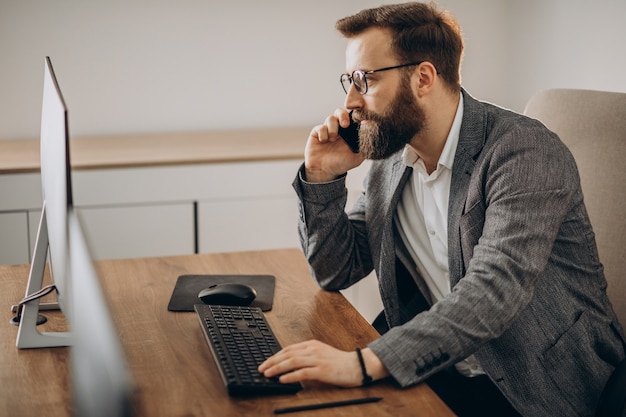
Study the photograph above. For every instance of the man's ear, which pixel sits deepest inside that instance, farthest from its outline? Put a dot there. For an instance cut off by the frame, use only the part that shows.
(424, 76)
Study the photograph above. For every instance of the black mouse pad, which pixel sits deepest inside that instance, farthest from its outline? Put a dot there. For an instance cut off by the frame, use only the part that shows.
(187, 287)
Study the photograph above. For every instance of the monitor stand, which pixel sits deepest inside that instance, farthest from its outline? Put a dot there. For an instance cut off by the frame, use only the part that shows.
(27, 335)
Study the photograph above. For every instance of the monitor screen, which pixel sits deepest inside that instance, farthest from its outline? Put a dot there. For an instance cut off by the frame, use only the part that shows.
(51, 246)
(55, 179)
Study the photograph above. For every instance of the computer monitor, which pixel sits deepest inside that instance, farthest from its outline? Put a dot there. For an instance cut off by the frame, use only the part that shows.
(101, 382)
(51, 247)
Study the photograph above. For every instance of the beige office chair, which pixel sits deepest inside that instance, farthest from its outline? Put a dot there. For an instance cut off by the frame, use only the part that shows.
(593, 126)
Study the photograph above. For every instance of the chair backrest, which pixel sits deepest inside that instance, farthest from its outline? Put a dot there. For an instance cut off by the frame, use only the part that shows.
(593, 126)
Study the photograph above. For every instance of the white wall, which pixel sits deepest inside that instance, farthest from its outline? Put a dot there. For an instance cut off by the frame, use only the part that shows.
(161, 65)
(566, 44)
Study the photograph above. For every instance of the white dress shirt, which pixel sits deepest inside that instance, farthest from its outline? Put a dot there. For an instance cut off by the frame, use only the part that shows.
(422, 218)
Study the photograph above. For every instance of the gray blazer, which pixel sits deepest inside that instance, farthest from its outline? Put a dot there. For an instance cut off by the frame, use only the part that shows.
(528, 292)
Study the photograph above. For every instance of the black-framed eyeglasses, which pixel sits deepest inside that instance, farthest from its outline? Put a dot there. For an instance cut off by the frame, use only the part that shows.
(359, 77)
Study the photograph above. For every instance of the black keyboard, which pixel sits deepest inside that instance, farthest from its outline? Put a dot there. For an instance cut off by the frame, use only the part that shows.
(240, 340)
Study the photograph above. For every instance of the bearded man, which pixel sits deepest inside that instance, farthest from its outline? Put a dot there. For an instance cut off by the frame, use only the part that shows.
(473, 219)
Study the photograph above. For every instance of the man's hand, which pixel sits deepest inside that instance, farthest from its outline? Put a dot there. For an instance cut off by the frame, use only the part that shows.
(317, 361)
(327, 156)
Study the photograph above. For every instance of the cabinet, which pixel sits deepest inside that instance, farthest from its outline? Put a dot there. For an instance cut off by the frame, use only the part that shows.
(170, 210)
(161, 194)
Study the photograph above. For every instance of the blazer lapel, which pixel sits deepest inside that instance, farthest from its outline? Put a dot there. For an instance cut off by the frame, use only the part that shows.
(388, 284)
(471, 142)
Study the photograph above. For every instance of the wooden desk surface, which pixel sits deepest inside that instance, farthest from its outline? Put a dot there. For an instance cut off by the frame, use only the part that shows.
(159, 149)
(171, 364)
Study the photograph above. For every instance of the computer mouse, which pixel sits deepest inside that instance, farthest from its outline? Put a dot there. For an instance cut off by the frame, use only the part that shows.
(231, 294)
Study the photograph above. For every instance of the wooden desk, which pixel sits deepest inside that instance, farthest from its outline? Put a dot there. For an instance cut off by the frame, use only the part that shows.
(170, 362)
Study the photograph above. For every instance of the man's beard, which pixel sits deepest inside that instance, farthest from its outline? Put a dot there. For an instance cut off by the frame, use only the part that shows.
(387, 133)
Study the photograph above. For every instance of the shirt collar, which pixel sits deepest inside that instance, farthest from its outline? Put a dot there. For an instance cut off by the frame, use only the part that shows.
(410, 157)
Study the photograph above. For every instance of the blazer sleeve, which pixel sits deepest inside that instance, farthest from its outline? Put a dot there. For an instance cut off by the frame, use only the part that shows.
(334, 244)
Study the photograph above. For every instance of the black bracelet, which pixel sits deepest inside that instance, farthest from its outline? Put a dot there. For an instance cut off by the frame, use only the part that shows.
(367, 379)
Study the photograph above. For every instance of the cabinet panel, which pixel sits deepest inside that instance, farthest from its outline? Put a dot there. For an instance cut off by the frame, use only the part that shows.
(14, 247)
(248, 224)
(20, 191)
(139, 231)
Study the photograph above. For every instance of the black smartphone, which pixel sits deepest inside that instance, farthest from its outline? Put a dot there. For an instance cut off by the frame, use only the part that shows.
(351, 135)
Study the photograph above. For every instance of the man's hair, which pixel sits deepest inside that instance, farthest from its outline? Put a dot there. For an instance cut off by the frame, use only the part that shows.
(420, 32)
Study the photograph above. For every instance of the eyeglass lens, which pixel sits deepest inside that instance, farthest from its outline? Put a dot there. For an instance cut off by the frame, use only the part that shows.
(358, 78)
